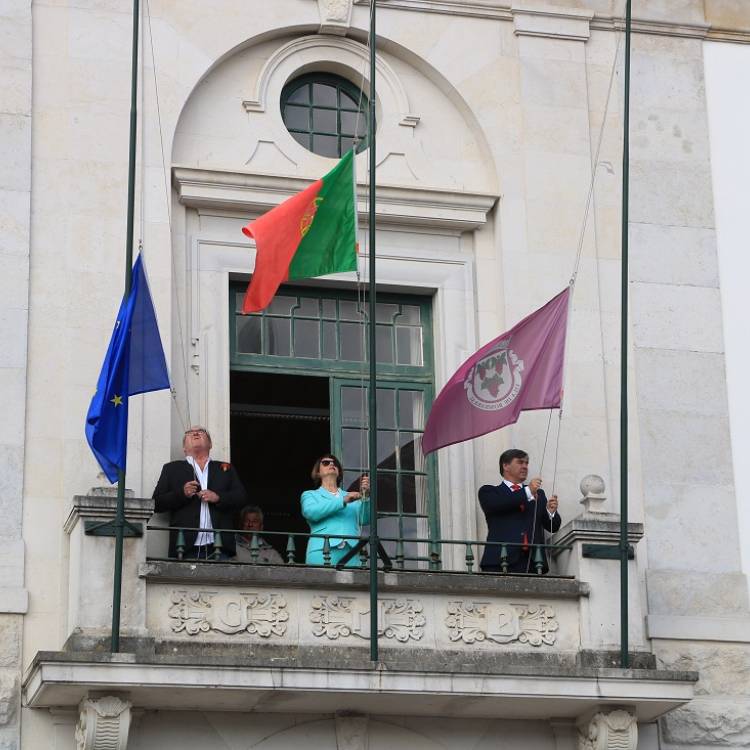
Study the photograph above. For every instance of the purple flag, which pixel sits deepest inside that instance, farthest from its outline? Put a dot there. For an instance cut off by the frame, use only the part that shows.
(519, 370)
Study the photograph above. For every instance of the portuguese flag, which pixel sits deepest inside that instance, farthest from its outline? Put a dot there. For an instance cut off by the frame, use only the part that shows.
(313, 233)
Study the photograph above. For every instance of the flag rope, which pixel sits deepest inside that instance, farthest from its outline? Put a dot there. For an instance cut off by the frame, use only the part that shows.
(185, 420)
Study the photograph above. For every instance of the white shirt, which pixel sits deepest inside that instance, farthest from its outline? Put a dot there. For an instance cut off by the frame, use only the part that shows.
(529, 496)
(204, 537)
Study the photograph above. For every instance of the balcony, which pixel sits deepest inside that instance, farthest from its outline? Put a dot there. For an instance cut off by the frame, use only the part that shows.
(293, 639)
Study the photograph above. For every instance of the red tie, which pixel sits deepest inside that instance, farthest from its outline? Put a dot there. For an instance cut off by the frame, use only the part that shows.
(515, 487)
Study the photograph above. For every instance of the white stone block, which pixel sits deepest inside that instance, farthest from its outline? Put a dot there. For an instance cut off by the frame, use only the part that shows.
(676, 317)
(15, 152)
(685, 382)
(15, 218)
(673, 255)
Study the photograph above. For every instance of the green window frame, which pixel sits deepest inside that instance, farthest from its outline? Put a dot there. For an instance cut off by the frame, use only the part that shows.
(326, 114)
(407, 480)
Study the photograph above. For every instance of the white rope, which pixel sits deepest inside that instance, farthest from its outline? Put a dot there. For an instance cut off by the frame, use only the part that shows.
(186, 421)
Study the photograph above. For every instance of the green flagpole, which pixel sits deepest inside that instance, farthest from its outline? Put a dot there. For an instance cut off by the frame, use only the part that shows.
(373, 400)
(120, 513)
(624, 658)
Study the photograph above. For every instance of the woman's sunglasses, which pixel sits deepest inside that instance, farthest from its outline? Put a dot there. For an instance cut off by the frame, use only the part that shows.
(327, 462)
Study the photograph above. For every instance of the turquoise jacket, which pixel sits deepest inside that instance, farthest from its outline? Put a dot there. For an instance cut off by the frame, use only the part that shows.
(327, 514)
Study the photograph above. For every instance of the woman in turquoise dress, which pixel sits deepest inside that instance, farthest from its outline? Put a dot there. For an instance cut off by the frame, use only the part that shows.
(334, 513)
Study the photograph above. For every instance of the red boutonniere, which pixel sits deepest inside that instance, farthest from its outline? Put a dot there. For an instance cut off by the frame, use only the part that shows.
(225, 467)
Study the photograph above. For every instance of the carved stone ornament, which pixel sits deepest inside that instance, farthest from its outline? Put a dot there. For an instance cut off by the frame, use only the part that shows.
(195, 612)
(343, 616)
(335, 16)
(103, 724)
(474, 622)
(616, 730)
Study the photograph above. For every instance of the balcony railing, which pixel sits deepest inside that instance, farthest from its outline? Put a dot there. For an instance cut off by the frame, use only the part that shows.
(433, 559)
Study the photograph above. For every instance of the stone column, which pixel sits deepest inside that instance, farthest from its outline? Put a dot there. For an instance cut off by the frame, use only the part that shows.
(92, 562)
(600, 611)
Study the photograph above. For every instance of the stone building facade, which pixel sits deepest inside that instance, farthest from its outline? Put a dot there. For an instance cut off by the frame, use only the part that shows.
(494, 121)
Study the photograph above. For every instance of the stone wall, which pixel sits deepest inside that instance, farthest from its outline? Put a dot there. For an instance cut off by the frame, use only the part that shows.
(15, 219)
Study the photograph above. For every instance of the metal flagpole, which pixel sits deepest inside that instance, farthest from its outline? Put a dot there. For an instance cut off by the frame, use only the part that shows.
(119, 524)
(624, 658)
(373, 399)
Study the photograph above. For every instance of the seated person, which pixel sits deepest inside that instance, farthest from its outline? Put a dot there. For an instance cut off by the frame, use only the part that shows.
(199, 492)
(516, 512)
(331, 511)
(251, 521)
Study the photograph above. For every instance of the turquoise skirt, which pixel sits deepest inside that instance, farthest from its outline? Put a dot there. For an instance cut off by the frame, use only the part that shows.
(315, 557)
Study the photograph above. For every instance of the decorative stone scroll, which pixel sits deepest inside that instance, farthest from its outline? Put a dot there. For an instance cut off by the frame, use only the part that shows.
(195, 612)
(103, 724)
(616, 730)
(474, 622)
(343, 616)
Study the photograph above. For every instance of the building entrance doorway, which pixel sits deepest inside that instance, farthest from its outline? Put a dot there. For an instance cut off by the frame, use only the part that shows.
(280, 424)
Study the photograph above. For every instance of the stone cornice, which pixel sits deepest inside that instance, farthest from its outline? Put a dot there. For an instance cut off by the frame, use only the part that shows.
(501, 10)
(406, 206)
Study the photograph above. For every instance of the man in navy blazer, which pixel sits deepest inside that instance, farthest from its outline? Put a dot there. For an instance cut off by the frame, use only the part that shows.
(517, 513)
(198, 492)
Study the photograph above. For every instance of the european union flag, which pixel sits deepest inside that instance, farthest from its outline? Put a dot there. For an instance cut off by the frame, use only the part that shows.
(134, 363)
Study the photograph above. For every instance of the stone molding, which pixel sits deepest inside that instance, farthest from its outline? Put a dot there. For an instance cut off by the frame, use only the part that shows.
(335, 16)
(551, 22)
(405, 206)
(596, 527)
(301, 52)
(475, 622)
(337, 617)
(196, 612)
(101, 507)
(103, 724)
(501, 10)
(615, 730)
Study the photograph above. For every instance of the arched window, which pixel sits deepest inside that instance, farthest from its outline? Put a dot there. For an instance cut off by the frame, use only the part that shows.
(325, 113)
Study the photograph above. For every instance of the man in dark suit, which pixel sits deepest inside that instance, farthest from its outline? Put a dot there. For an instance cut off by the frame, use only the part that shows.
(517, 513)
(199, 493)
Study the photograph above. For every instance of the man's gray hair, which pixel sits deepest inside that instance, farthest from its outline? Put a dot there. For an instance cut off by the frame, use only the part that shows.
(251, 509)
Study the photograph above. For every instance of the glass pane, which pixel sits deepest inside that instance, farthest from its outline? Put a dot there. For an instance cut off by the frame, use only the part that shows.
(411, 451)
(410, 314)
(414, 494)
(329, 340)
(388, 527)
(351, 480)
(348, 310)
(239, 298)
(301, 95)
(347, 102)
(353, 405)
(384, 313)
(346, 145)
(324, 121)
(306, 338)
(297, 118)
(386, 449)
(248, 334)
(324, 94)
(308, 307)
(387, 493)
(350, 121)
(329, 308)
(386, 407)
(408, 346)
(352, 345)
(411, 409)
(281, 305)
(278, 336)
(303, 139)
(384, 343)
(354, 447)
(325, 145)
